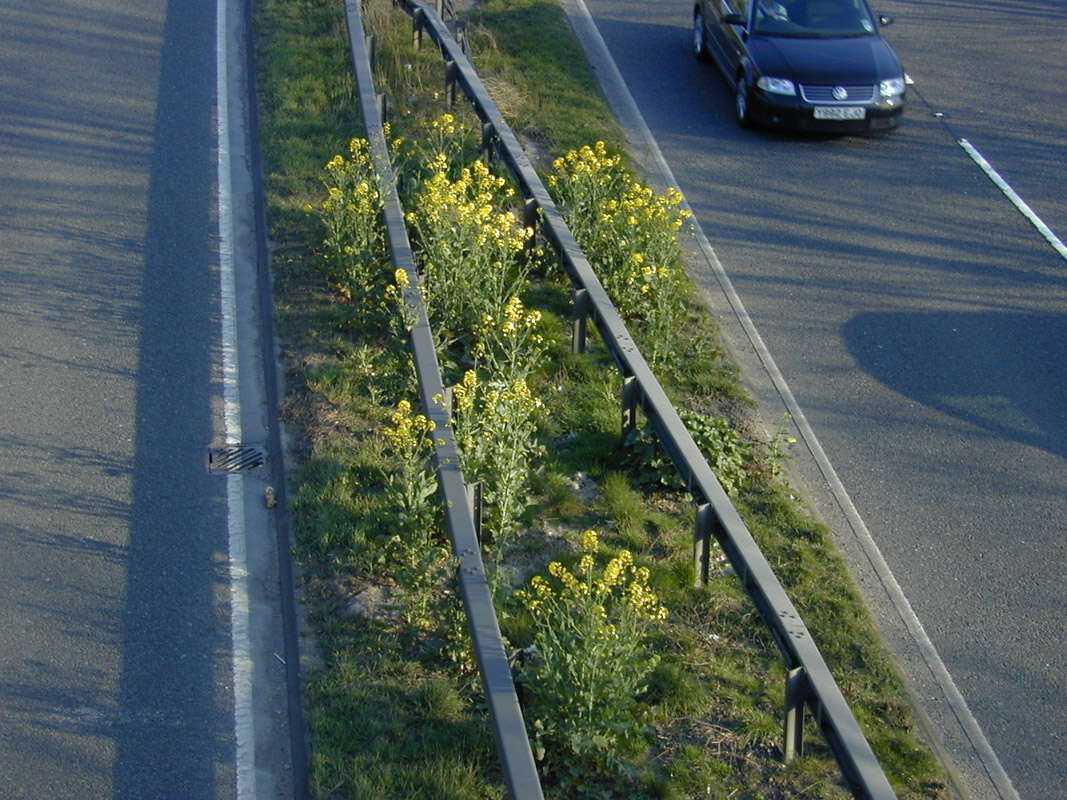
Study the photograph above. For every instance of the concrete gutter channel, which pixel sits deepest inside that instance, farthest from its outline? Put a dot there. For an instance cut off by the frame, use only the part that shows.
(272, 763)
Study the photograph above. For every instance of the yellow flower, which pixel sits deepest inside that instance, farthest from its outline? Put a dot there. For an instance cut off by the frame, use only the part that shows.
(613, 572)
(443, 121)
(589, 541)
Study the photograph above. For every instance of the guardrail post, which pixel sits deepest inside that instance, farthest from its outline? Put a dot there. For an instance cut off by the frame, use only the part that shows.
(795, 692)
(416, 29)
(580, 319)
(487, 142)
(705, 518)
(473, 490)
(474, 500)
(372, 49)
(451, 75)
(629, 404)
(531, 217)
(383, 107)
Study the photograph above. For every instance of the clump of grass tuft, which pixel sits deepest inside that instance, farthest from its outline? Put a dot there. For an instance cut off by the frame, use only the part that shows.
(528, 44)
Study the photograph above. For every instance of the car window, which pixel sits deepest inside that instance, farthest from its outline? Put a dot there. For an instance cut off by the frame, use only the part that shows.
(813, 18)
(741, 7)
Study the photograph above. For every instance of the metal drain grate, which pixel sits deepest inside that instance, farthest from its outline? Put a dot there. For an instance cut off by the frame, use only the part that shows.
(234, 458)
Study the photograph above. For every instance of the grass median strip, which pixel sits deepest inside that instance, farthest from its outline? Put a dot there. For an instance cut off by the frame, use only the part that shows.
(394, 705)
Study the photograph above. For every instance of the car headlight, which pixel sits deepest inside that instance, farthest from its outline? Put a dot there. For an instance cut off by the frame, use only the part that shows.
(777, 85)
(892, 87)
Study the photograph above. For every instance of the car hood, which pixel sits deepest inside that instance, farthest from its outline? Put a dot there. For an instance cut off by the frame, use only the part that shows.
(848, 60)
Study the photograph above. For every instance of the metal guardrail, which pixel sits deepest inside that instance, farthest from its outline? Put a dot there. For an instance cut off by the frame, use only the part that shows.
(513, 746)
(809, 681)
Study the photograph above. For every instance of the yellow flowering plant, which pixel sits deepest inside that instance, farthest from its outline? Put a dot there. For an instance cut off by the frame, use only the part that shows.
(416, 556)
(469, 243)
(354, 240)
(588, 182)
(590, 662)
(447, 137)
(630, 235)
(405, 317)
(509, 343)
(496, 431)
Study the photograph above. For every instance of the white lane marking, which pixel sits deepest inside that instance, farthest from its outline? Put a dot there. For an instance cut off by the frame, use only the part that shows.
(1017, 201)
(239, 614)
(630, 114)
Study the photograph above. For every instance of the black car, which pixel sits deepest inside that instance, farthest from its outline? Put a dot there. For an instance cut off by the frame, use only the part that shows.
(815, 65)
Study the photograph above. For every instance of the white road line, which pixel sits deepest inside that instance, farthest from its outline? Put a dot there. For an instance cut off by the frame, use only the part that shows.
(239, 612)
(1017, 201)
(631, 116)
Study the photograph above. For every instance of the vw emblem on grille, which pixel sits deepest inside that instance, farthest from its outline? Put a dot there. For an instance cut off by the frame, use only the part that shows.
(840, 93)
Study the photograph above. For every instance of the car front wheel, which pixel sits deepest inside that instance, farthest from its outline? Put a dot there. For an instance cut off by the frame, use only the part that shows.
(741, 110)
(700, 44)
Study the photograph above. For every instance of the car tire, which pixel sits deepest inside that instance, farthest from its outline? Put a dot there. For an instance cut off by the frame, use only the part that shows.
(741, 102)
(700, 43)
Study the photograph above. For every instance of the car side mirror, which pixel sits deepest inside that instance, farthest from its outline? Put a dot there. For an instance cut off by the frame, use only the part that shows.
(885, 19)
(734, 19)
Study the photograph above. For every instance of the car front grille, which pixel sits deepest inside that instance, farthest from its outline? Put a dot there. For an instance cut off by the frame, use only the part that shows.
(825, 94)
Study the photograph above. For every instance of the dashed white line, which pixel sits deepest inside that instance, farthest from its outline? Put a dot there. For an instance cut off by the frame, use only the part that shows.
(1017, 201)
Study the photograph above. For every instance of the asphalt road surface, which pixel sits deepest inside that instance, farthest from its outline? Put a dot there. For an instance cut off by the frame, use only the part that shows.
(921, 323)
(117, 652)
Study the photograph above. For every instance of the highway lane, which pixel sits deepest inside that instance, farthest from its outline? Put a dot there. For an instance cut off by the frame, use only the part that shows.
(117, 666)
(919, 321)
(998, 78)
(110, 633)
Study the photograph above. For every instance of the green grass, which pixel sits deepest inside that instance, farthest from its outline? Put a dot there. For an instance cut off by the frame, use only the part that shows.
(396, 711)
(527, 45)
(389, 723)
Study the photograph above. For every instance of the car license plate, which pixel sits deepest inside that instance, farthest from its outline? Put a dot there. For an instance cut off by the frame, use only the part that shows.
(840, 112)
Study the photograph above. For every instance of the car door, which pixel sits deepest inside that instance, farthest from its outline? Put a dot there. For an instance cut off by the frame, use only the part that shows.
(728, 41)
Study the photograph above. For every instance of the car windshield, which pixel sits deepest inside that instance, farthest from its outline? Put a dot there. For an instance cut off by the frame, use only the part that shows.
(816, 18)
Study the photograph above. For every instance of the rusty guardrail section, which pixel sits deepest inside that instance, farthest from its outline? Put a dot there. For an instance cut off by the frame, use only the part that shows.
(513, 746)
(809, 681)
